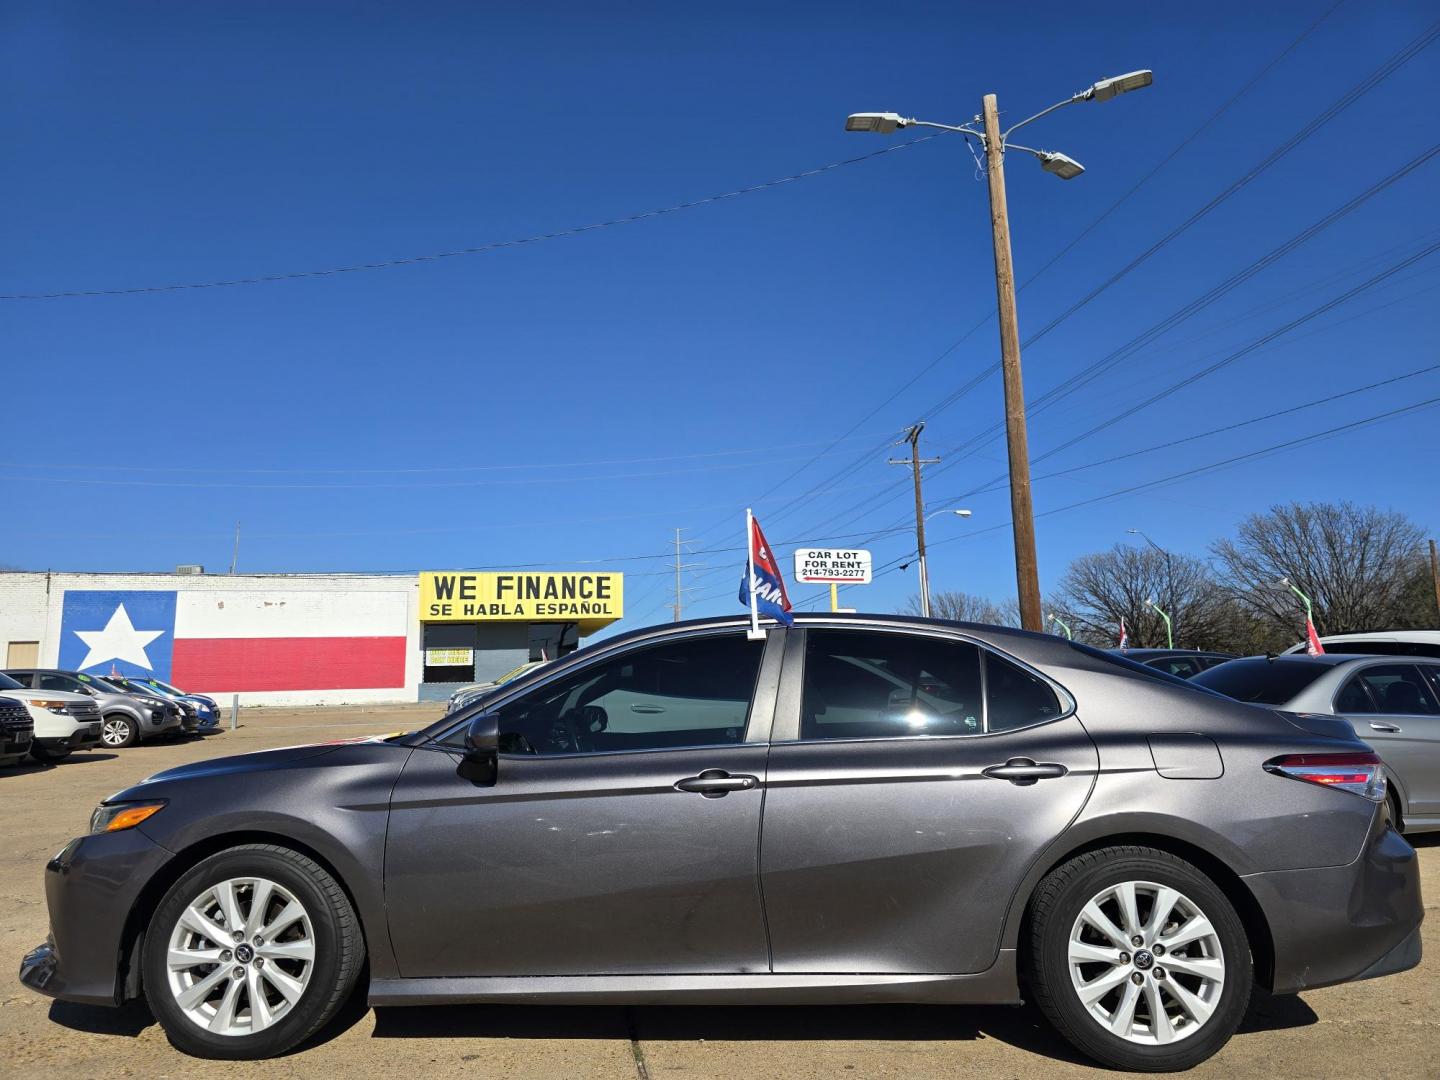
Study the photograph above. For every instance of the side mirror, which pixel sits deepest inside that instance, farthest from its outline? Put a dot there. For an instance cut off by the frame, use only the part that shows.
(482, 748)
(482, 737)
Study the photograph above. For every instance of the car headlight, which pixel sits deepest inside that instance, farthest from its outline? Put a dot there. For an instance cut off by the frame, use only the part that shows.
(117, 817)
(53, 706)
(153, 702)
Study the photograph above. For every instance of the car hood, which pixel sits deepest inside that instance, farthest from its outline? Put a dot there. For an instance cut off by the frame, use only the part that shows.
(26, 694)
(260, 761)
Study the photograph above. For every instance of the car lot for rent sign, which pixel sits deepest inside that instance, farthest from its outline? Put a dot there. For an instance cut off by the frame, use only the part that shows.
(835, 566)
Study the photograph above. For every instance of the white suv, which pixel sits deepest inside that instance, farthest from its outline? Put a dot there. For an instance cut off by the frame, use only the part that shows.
(64, 722)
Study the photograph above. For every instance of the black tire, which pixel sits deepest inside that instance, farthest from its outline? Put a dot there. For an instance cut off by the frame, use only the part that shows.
(1392, 811)
(339, 948)
(113, 721)
(1054, 910)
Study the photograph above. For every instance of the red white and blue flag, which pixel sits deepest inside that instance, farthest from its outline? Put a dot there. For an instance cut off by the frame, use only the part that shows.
(223, 641)
(1312, 639)
(1124, 637)
(761, 579)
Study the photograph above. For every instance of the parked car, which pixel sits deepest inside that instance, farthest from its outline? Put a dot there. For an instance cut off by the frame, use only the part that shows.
(17, 730)
(188, 716)
(206, 707)
(1391, 703)
(578, 838)
(63, 722)
(126, 716)
(1182, 663)
(1380, 643)
(472, 692)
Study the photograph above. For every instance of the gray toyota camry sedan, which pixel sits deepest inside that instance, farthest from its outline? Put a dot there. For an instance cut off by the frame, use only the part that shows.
(853, 809)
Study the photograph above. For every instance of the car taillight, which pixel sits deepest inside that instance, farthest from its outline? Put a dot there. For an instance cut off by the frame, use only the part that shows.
(1360, 774)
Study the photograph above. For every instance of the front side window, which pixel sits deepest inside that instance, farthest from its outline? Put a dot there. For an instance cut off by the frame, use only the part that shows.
(1399, 689)
(874, 685)
(694, 692)
(48, 681)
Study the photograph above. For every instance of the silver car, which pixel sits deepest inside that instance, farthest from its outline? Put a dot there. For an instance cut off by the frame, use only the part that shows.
(1392, 702)
(128, 716)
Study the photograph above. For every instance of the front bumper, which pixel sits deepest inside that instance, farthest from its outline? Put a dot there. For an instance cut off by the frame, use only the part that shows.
(90, 888)
(1338, 924)
(82, 738)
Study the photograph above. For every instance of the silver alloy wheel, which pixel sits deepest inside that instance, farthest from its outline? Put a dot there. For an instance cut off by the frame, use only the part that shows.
(115, 732)
(241, 956)
(1146, 963)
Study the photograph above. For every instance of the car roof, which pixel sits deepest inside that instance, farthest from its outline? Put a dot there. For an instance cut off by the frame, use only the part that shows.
(1427, 637)
(1336, 659)
(1152, 653)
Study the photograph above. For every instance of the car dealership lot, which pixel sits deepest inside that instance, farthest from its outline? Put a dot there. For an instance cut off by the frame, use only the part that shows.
(1386, 1027)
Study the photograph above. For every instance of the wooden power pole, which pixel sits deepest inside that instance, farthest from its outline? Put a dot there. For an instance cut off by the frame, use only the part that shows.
(1435, 575)
(916, 462)
(1027, 572)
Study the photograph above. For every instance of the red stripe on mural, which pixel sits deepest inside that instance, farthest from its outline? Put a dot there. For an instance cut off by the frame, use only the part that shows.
(224, 665)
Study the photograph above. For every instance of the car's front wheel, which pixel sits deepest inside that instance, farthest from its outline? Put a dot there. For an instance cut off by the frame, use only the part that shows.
(250, 953)
(47, 756)
(1138, 959)
(118, 731)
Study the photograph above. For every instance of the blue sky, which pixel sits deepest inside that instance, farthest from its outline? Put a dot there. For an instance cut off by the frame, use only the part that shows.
(572, 402)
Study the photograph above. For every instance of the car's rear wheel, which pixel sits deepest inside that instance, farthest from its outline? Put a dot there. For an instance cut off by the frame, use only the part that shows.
(1138, 959)
(1392, 811)
(250, 953)
(118, 731)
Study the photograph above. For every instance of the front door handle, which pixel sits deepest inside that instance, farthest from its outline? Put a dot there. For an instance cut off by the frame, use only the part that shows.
(1022, 771)
(716, 783)
(1390, 729)
(639, 707)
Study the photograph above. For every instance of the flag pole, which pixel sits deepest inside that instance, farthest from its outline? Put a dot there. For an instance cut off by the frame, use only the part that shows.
(755, 631)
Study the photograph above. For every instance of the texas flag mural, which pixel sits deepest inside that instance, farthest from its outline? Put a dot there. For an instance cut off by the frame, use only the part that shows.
(223, 641)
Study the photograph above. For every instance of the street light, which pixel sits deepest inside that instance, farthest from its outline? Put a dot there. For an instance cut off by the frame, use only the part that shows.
(924, 567)
(995, 142)
(1169, 570)
(1169, 630)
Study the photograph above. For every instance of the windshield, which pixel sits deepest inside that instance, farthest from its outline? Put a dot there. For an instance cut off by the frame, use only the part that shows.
(7, 683)
(103, 685)
(1263, 682)
(165, 687)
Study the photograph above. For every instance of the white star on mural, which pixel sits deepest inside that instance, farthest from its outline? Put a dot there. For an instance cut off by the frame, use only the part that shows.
(118, 641)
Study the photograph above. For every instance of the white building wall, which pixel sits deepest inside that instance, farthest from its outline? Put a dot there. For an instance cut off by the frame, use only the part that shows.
(219, 608)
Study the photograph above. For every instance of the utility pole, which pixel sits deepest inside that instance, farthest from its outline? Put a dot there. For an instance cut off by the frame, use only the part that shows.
(235, 552)
(1435, 575)
(1022, 511)
(677, 575)
(915, 462)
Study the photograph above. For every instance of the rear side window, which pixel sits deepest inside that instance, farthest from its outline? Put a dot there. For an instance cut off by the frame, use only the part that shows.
(1354, 698)
(1399, 689)
(872, 685)
(1263, 682)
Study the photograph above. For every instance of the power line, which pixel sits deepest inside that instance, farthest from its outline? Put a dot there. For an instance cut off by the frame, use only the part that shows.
(386, 264)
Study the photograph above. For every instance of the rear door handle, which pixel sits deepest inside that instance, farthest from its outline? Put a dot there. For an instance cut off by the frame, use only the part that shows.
(716, 783)
(1022, 771)
(637, 707)
(1390, 728)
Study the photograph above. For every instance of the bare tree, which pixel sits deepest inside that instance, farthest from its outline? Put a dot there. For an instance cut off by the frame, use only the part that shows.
(967, 607)
(1357, 564)
(1099, 590)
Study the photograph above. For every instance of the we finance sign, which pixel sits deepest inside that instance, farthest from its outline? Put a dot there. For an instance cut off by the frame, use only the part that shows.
(491, 596)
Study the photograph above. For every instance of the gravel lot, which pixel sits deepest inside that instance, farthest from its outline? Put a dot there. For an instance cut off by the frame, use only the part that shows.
(1376, 1029)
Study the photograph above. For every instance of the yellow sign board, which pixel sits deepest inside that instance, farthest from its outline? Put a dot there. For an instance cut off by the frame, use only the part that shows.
(591, 599)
